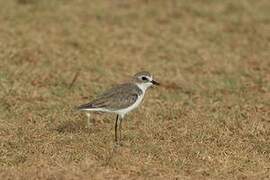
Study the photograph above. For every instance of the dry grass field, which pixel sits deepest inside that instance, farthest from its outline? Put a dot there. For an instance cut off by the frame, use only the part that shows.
(210, 119)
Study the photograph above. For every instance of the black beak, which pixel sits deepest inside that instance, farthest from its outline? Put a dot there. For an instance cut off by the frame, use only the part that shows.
(155, 82)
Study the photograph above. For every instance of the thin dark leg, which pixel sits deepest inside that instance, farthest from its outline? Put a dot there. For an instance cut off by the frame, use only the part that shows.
(120, 128)
(115, 127)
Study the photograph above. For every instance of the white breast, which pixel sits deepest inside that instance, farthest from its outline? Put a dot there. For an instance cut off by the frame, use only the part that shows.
(122, 112)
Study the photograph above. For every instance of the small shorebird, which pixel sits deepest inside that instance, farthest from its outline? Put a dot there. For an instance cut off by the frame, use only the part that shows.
(121, 99)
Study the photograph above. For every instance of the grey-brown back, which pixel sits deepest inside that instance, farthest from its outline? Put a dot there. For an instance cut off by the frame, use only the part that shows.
(118, 97)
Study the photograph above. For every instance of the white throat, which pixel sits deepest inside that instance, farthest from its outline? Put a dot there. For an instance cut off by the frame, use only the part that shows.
(144, 86)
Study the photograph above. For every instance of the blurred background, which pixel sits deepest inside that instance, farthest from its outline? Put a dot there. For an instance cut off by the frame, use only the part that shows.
(210, 119)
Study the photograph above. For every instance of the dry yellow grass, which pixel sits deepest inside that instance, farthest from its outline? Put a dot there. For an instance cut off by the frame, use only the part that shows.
(210, 120)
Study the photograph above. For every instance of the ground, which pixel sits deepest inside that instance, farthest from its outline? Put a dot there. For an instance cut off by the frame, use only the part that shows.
(210, 119)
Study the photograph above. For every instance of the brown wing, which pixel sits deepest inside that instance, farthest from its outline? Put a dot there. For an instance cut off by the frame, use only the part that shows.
(116, 98)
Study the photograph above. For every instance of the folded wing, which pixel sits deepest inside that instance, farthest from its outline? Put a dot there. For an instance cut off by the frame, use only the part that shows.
(119, 97)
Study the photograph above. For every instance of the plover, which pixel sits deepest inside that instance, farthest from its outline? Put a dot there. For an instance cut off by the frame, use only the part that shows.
(121, 99)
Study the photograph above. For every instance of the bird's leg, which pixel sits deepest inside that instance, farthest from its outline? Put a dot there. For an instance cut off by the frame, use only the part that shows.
(88, 119)
(120, 128)
(115, 128)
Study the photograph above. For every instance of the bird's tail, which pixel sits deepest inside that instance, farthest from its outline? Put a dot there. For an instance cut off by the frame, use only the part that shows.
(84, 107)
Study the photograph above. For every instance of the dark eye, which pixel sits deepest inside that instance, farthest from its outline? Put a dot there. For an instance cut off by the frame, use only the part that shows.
(144, 78)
